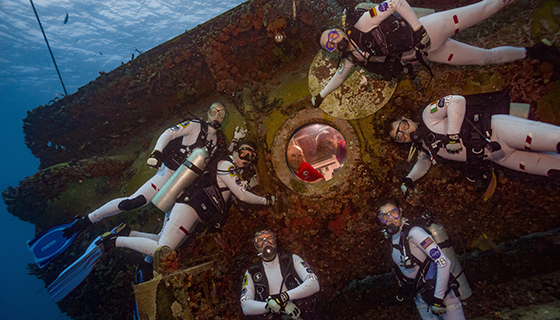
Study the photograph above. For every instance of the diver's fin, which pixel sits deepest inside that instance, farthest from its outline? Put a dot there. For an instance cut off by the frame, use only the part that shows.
(139, 280)
(51, 243)
(72, 276)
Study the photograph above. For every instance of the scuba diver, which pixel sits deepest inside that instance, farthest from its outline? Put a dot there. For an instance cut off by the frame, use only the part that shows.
(300, 168)
(422, 267)
(449, 129)
(382, 43)
(208, 204)
(280, 285)
(172, 148)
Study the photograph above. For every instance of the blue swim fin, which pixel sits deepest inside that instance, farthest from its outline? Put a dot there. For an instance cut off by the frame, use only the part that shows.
(139, 279)
(72, 276)
(50, 243)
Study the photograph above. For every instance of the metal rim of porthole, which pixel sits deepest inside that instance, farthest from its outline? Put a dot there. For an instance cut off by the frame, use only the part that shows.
(341, 180)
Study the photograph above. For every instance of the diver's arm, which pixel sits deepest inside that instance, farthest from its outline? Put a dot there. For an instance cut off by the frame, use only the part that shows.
(423, 241)
(228, 176)
(451, 109)
(249, 305)
(421, 167)
(377, 14)
(338, 78)
(310, 284)
(456, 107)
(182, 129)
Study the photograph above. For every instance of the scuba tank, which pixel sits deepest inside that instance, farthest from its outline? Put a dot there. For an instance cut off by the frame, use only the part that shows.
(442, 239)
(187, 172)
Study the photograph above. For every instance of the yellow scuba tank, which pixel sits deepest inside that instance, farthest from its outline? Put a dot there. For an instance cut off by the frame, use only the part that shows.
(187, 172)
(440, 236)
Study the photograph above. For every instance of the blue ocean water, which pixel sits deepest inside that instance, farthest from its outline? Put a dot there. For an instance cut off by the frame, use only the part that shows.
(98, 36)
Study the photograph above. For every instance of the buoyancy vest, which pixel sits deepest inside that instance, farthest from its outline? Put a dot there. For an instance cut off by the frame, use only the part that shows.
(208, 199)
(287, 269)
(391, 38)
(175, 153)
(476, 128)
(426, 278)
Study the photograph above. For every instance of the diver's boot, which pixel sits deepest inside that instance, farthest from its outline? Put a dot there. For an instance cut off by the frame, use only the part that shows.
(165, 261)
(553, 173)
(145, 272)
(108, 239)
(545, 51)
(80, 225)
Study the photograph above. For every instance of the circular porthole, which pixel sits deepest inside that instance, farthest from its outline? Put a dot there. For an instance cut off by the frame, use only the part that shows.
(314, 153)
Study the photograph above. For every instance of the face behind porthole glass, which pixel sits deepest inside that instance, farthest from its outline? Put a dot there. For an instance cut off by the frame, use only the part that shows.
(316, 152)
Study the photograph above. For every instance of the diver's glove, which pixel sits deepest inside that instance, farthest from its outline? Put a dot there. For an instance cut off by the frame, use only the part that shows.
(421, 39)
(407, 185)
(270, 200)
(277, 302)
(454, 143)
(155, 159)
(438, 308)
(292, 310)
(317, 100)
(239, 134)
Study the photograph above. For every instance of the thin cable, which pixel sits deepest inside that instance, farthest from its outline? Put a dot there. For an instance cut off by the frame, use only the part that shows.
(48, 46)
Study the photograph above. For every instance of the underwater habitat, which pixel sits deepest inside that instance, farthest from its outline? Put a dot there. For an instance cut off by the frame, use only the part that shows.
(262, 60)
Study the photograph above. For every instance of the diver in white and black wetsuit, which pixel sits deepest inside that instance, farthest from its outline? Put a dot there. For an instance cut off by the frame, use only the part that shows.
(429, 35)
(425, 256)
(172, 148)
(208, 204)
(280, 285)
(515, 143)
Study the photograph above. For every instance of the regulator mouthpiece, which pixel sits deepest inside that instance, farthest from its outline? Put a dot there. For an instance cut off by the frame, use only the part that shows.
(391, 229)
(269, 252)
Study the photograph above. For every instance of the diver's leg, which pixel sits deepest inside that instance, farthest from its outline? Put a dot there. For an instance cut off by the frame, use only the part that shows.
(182, 223)
(140, 244)
(539, 163)
(523, 134)
(139, 234)
(456, 53)
(442, 25)
(454, 307)
(422, 307)
(139, 199)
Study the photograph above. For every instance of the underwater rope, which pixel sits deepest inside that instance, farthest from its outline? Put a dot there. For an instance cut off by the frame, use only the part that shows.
(48, 46)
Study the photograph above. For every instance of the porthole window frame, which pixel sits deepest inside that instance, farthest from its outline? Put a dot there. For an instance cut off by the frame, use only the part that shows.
(341, 180)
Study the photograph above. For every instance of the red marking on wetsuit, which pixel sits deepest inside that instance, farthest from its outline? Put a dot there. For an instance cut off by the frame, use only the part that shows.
(522, 166)
(184, 230)
(450, 57)
(456, 30)
(528, 141)
(455, 19)
(154, 186)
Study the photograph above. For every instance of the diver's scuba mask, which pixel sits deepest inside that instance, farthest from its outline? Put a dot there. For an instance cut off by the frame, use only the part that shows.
(266, 241)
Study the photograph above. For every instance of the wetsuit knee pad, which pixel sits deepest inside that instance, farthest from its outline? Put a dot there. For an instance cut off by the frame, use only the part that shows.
(130, 204)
